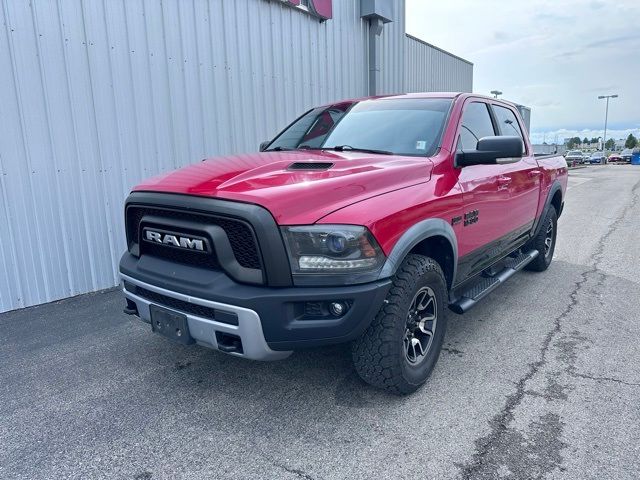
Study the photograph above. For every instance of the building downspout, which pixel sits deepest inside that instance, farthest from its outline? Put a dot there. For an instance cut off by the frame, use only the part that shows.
(375, 30)
(377, 13)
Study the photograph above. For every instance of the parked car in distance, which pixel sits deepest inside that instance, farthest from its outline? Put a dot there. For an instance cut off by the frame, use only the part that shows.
(574, 156)
(615, 157)
(597, 158)
(626, 155)
(362, 222)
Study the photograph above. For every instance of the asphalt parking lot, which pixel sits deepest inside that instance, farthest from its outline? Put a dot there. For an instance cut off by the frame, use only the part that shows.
(541, 380)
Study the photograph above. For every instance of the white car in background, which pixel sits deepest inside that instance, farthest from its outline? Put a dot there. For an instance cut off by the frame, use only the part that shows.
(574, 156)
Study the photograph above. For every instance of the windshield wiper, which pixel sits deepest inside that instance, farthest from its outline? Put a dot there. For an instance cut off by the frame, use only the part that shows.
(349, 148)
(279, 149)
(288, 149)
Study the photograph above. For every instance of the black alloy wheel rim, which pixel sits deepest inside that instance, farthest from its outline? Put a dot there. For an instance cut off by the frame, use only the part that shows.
(422, 319)
(548, 239)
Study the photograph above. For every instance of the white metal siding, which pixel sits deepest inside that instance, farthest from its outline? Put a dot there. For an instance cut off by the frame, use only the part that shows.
(97, 95)
(430, 69)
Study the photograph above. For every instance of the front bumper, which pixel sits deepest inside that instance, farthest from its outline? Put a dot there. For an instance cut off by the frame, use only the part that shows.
(271, 321)
(205, 330)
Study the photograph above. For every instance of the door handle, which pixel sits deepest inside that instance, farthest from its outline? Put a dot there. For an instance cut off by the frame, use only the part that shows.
(534, 173)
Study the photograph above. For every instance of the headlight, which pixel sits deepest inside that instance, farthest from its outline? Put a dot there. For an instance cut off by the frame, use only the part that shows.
(332, 249)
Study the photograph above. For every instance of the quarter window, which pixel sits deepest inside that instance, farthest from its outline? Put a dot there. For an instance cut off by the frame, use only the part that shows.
(476, 123)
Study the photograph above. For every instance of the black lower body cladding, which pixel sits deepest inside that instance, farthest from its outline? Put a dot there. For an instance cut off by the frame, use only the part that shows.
(291, 317)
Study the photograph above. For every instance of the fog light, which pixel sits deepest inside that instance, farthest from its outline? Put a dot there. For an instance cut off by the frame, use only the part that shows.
(337, 309)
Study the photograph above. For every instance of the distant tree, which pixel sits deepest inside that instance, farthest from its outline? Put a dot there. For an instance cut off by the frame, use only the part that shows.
(611, 143)
(573, 142)
(594, 140)
(631, 142)
(585, 141)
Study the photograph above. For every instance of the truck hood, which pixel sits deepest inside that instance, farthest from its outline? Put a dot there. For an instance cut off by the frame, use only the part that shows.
(294, 197)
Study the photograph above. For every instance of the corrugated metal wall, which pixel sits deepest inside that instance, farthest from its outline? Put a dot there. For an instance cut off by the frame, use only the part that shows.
(96, 95)
(431, 69)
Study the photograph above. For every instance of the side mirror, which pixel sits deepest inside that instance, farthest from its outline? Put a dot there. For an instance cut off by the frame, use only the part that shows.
(492, 150)
(263, 146)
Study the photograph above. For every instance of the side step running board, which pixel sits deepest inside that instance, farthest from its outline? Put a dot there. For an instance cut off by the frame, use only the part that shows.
(487, 285)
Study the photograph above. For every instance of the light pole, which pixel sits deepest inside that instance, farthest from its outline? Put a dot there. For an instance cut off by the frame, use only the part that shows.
(606, 117)
(496, 93)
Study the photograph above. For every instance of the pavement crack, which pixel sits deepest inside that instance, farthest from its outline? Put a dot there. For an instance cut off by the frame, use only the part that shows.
(486, 446)
(283, 466)
(453, 351)
(293, 471)
(488, 453)
(603, 379)
(599, 252)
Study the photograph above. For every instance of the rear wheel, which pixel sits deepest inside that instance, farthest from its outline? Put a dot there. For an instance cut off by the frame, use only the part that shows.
(402, 345)
(545, 242)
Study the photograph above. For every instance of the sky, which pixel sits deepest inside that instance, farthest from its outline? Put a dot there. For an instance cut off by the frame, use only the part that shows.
(553, 56)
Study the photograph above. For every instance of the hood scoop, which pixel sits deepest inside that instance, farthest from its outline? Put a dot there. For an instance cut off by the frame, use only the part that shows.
(314, 166)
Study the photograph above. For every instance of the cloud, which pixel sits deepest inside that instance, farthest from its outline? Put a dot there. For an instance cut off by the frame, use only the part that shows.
(569, 54)
(556, 59)
(501, 36)
(604, 88)
(623, 39)
(551, 17)
(510, 42)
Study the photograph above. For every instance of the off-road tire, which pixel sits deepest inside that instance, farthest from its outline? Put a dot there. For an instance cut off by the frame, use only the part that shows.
(544, 258)
(379, 355)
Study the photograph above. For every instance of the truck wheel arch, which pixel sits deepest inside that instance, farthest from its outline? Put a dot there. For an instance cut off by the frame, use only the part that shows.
(553, 200)
(556, 199)
(432, 237)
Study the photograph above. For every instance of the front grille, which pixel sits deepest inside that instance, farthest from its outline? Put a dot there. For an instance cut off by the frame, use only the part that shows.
(240, 234)
(199, 259)
(182, 306)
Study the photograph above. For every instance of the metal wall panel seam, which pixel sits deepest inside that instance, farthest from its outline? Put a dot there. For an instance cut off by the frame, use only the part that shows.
(74, 131)
(134, 106)
(47, 115)
(110, 192)
(102, 180)
(8, 303)
(14, 287)
(25, 149)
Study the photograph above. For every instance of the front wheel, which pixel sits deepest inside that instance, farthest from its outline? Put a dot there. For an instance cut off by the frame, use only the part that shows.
(545, 242)
(402, 345)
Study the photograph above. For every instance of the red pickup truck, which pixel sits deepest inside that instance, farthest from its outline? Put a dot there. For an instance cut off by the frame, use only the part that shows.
(362, 222)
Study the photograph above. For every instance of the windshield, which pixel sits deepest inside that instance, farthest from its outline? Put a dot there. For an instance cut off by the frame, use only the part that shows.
(575, 152)
(400, 126)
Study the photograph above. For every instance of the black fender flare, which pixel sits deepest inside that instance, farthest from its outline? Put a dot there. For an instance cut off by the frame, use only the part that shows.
(555, 187)
(431, 227)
